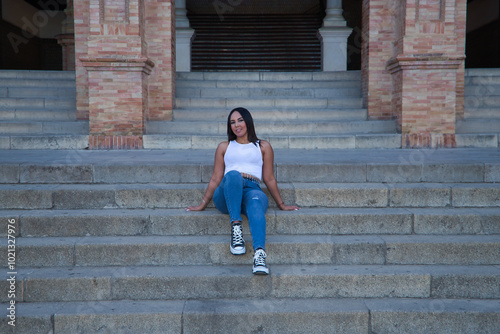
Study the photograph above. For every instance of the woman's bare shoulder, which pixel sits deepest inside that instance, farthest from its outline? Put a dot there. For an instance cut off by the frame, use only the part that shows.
(222, 147)
(265, 145)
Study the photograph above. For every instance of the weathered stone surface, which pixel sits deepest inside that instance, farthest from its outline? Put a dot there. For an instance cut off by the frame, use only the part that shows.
(453, 173)
(56, 174)
(447, 221)
(420, 195)
(422, 316)
(9, 173)
(127, 317)
(276, 316)
(24, 198)
(321, 173)
(451, 250)
(476, 195)
(394, 173)
(341, 195)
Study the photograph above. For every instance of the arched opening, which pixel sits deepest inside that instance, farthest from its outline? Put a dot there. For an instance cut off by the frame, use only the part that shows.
(29, 30)
(482, 46)
(256, 35)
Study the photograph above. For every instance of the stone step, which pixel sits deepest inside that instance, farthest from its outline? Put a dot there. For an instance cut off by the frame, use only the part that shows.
(291, 166)
(376, 141)
(475, 140)
(236, 281)
(44, 92)
(490, 113)
(37, 115)
(44, 142)
(478, 125)
(269, 315)
(251, 84)
(471, 72)
(483, 80)
(271, 102)
(271, 76)
(38, 82)
(167, 142)
(174, 196)
(37, 103)
(321, 221)
(50, 127)
(37, 75)
(482, 101)
(262, 115)
(275, 128)
(282, 249)
(265, 93)
(483, 89)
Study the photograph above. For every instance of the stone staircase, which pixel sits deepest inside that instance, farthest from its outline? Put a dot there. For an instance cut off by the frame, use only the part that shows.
(296, 110)
(481, 125)
(292, 110)
(38, 111)
(387, 241)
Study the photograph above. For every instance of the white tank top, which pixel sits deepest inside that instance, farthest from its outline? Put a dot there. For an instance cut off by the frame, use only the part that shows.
(244, 158)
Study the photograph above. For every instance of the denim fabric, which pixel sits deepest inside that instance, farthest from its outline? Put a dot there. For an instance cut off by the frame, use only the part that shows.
(236, 195)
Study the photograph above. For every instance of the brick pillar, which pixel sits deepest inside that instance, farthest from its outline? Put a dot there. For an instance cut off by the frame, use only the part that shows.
(378, 21)
(117, 68)
(427, 71)
(125, 68)
(160, 38)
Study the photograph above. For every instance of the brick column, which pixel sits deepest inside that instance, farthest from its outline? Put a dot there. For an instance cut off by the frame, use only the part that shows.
(125, 68)
(427, 71)
(160, 38)
(117, 67)
(378, 21)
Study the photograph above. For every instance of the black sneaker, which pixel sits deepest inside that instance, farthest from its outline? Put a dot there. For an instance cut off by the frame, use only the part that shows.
(237, 242)
(259, 263)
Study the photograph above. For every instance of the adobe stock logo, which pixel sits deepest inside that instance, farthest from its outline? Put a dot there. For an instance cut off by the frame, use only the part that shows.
(223, 7)
(40, 19)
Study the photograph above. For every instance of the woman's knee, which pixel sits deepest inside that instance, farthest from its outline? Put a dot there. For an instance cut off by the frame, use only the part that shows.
(233, 174)
(256, 199)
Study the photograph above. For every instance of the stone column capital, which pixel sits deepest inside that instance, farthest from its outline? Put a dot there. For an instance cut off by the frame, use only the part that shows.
(141, 64)
(424, 62)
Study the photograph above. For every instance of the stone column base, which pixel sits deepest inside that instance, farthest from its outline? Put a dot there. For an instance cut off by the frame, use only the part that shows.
(97, 142)
(424, 98)
(334, 48)
(428, 140)
(118, 101)
(183, 38)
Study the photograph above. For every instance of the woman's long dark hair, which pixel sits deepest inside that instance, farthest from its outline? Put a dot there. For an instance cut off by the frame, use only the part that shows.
(247, 117)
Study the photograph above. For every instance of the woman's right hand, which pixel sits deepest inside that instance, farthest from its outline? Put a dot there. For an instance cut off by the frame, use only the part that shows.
(200, 207)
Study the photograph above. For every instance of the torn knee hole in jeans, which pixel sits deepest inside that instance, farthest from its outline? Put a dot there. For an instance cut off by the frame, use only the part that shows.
(256, 197)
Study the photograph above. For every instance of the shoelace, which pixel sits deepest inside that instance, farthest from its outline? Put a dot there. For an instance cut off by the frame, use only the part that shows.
(260, 258)
(237, 235)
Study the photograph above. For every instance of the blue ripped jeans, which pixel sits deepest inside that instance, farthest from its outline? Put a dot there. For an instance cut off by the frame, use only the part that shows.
(236, 195)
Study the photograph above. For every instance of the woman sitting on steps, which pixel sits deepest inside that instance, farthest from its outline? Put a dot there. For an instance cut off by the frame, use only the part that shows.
(240, 164)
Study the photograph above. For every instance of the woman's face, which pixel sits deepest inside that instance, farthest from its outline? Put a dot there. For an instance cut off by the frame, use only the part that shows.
(238, 125)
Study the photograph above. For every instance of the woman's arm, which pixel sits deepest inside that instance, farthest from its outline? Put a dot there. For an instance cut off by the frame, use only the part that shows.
(268, 176)
(217, 175)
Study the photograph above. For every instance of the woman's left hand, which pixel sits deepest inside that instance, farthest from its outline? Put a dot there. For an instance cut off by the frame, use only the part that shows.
(289, 208)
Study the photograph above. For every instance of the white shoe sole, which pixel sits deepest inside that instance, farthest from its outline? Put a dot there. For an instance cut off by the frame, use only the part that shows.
(260, 271)
(238, 251)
